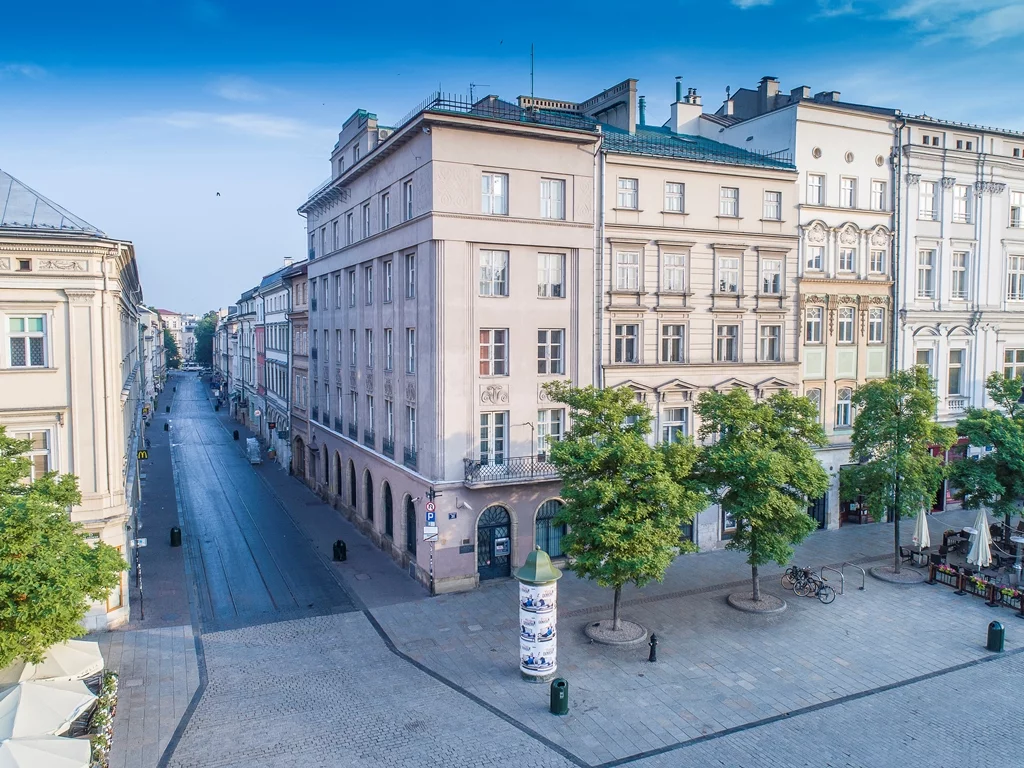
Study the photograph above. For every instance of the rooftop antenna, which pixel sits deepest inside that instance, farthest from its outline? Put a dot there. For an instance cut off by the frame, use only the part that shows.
(531, 70)
(727, 90)
(476, 85)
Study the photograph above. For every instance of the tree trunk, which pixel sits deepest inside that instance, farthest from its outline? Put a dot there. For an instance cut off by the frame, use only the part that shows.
(896, 534)
(757, 584)
(616, 623)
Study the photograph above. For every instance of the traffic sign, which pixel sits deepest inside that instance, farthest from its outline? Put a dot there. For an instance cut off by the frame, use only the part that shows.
(256, 412)
(430, 506)
(143, 455)
(431, 518)
(430, 533)
(139, 542)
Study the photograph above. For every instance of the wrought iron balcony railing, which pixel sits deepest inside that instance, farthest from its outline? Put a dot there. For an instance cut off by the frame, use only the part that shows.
(369, 438)
(312, 303)
(338, 425)
(353, 431)
(315, 413)
(409, 457)
(510, 469)
(388, 447)
(326, 420)
(312, 352)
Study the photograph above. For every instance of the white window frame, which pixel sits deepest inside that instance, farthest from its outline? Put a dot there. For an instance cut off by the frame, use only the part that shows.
(876, 261)
(551, 351)
(552, 199)
(389, 420)
(815, 189)
(627, 343)
(959, 266)
(770, 343)
(628, 194)
(389, 281)
(844, 408)
(627, 271)
(845, 325)
(729, 202)
(389, 349)
(928, 208)
(494, 194)
(847, 192)
(675, 197)
(410, 350)
(673, 343)
(353, 347)
(847, 260)
(876, 325)
(410, 275)
(673, 272)
(962, 209)
(675, 424)
(814, 398)
(551, 275)
(726, 342)
(368, 283)
(729, 266)
(813, 322)
(1015, 278)
(926, 273)
(771, 277)
(385, 211)
(351, 287)
(957, 368)
(410, 426)
(10, 335)
(1017, 210)
(407, 200)
(492, 445)
(815, 258)
(34, 453)
(493, 352)
(1013, 363)
(772, 210)
(550, 427)
(493, 273)
(878, 199)
(369, 347)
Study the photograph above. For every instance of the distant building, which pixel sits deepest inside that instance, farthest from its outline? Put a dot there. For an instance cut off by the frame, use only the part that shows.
(72, 376)
(302, 457)
(275, 291)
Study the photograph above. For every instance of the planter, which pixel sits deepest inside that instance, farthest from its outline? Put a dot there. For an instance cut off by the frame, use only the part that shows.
(975, 589)
(1010, 601)
(950, 579)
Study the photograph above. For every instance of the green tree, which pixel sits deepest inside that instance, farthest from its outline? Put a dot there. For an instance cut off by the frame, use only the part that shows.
(893, 435)
(205, 329)
(996, 479)
(172, 357)
(760, 466)
(624, 499)
(47, 569)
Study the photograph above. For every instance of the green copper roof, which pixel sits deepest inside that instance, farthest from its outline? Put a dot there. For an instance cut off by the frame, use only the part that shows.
(661, 142)
(538, 569)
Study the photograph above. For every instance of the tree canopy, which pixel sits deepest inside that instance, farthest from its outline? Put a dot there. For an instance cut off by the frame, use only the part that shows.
(893, 435)
(172, 356)
(205, 329)
(47, 569)
(758, 463)
(625, 500)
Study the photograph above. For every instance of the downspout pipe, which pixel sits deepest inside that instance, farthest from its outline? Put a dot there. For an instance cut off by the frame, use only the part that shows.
(599, 270)
(897, 198)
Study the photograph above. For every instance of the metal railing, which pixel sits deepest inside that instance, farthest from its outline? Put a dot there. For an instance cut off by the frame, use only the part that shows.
(369, 438)
(312, 303)
(325, 418)
(496, 109)
(312, 352)
(315, 413)
(353, 431)
(338, 425)
(510, 469)
(388, 447)
(409, 458)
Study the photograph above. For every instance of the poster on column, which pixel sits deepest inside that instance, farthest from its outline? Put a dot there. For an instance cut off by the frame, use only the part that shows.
(537, 615)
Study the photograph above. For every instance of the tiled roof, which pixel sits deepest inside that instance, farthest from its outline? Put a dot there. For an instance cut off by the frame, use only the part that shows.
(21, 207)
(661, 142)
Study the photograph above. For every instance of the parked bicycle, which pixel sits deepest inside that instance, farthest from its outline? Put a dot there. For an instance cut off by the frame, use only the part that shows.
(815, 586)
(795, 575)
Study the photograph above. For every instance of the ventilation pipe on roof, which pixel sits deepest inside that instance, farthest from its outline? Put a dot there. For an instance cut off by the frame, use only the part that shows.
(643, 110)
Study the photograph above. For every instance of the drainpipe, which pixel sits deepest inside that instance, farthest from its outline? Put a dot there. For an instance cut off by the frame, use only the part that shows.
(600, 158)
(897, 201)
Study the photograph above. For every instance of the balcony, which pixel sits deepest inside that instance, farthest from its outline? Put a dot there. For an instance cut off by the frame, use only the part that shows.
(326, 420)
(370, 438)
(409, 457)
(338, 425)
(516, 469)
(956, 404)
(312, 353)
(312, 303)
(312, 253)
(315, 413)
(389, 448)
(353, 431)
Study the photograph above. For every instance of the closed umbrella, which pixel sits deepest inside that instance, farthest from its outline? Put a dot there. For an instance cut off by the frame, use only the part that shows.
(921, 536)
(981, 547)
(71, 660)
(36, 707)
(44, 752)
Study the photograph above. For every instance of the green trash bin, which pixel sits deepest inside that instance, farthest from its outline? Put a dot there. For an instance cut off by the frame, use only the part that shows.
(996, 637)
(559, 696)
(175, 536)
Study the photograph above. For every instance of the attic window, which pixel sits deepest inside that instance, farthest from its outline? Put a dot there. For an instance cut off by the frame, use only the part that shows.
(1016, 151)
(24, 265)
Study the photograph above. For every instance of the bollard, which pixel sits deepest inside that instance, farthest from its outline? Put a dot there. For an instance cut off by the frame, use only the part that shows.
(167, 426)
(175, 389)
(340, 551)
(235, 434)
(559, 696)
(216, 407)
(175, 536)
(996, 637)
(654, 648)
(167, 409)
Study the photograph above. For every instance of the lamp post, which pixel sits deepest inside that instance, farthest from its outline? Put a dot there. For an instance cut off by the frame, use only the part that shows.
(538, 614)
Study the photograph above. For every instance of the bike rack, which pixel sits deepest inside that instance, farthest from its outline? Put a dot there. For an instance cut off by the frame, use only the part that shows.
(863, 575)
(841, 577)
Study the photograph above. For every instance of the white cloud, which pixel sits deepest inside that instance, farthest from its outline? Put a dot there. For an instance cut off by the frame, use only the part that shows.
(251, 123)
(830, 8)
(982, 22)
(30, 71)
(744, 4)
(238, 89)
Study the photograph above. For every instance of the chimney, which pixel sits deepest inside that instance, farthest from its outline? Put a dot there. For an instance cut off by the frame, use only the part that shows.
(767, 90)
(803, 92)
(828, 97)
(287, 261)
(643, 110)
(679, 87)
(686, 111)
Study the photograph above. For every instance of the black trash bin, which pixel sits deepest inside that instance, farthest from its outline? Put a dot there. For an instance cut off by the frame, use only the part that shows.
(167, 409)
(175, 536)
(235, 434)
(559, 696)
(996, 637)
(340, 551)
(167, 426)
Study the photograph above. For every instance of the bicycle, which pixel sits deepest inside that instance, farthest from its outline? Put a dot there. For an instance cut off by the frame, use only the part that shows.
(816, 586)
(794, 575)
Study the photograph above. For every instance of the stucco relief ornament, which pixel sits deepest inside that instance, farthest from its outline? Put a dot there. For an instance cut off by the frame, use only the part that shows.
(814, 299)
(913, 179)
(879, 237)
(493, 393)
(64, 265)
(848, 236)
(389, 388)
(816, 234)
(410, 392)
(5, 263)
(542, 394)
(352, 379)
(849, 299)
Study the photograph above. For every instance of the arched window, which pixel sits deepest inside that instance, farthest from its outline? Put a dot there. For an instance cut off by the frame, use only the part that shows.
(389, 516)
(338, 475)
(814, 396)
(327, 467)
(547, 535)
(410, 527)
(844, 408)
(352, 492)
(368, 486)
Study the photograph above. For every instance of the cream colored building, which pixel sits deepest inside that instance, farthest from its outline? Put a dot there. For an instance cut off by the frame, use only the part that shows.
(71, 377)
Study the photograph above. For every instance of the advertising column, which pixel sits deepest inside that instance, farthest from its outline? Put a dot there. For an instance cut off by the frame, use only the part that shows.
(538, 612)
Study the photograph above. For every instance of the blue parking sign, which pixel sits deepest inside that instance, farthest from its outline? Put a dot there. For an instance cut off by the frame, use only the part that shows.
(431, 518)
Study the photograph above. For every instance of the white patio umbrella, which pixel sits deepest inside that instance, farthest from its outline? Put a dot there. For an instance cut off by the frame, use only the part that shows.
(921, 536)
(37, 707)
(71, 660)
(44, 752)
(981, 547)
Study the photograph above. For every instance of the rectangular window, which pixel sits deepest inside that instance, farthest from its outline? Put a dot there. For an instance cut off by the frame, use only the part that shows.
(673, 276)
(929, 209)
(39, 452)
(389, 349)
(673, 338)
(369, 412)
(385, 211)
(876, 325)
(494, 352)
(355, 154)
(727, 343)
(878, 196)
(368, 283)
(956, 365)
(1013, 363)
(627, 271)
(335, 234)
(924, 358)
(815, 257)
(628, 194)
(815, 189)
(493, 437)
(494, 273)
(410, 350)
(844, 407)
(26, 337)
(494, 193)
(729, 201)
(812, 332)
(847, 259)
(773, 205)
(876, 262)
(353, 349)
(550, 348)
(389, 281)
(771, 276)
(962, 204)
(728, 274)
(771, 343)
(552, 198)
(366, 220)
(549, 428)
(675, 425)
(846, 325)
(351, 287)
(337, 290)
(1017, 209)
(674, 197)
(550, 275)
(323, 240)
(354, 397)
(926, 274)
(848, 192)
(389, 420)
(407, 200)
(1015, 278)
(339, 347)
(410, 276)
(410, 426)
(350, 229)
(627, 336)
(958, 288)
(369, 348)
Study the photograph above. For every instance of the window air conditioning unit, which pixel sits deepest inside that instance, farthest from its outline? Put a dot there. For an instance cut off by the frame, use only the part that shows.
(383, 133)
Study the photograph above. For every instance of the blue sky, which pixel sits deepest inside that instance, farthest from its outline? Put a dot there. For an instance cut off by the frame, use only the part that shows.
(133, 115)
